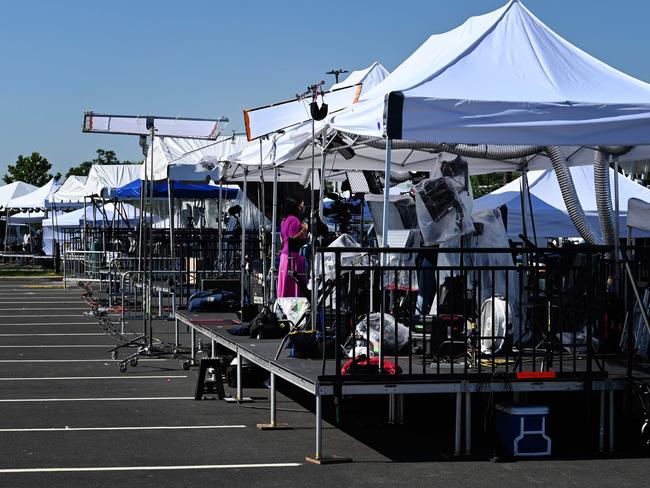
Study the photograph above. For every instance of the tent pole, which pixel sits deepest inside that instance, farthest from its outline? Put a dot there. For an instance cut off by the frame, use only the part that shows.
(263, 230)
(384, 230)
(29, 226)
(530, 207)
(384, 239)
(104, 224)
(85, 226)
(148, 314)
(7, 230)
(617, 223)
(220, 223)
(312, 222)
(322, 182)
(143, 188)
(523, 198)
(274, 225)
(242, 259)
(170, 202)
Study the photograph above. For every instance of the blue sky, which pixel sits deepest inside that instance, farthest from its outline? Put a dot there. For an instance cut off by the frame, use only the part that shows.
(210, 58)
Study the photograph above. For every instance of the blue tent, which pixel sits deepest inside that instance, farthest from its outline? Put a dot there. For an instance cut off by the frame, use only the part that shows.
(179, 190)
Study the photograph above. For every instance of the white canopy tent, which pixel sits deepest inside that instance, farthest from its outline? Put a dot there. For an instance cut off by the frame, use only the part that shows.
(503, 78)
(368, 77)
(14, 190)
(103, 179)
(549, 212)
(35, 200)
(22, 218)
(107, 215)
(191, 159)
(72, 191)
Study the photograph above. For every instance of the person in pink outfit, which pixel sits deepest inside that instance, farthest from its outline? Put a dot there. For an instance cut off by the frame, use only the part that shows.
(293, 235)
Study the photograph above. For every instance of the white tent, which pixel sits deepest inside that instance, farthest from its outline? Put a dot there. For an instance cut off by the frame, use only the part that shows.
(369, 77)
(72, 191)
(548, 209)
(26, 218)
(14, 190)
(104, 215)
(107, 215)
(35, 200)
(503, 78)
(103, 179)
(191, 159)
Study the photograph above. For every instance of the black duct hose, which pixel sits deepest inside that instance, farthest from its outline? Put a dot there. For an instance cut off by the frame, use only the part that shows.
(603, 197)
(576, 213)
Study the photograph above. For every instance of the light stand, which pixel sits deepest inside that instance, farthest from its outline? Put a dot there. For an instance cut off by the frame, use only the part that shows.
(150, 127)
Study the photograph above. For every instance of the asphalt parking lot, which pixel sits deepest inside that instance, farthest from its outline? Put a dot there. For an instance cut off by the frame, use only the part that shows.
(69, 417)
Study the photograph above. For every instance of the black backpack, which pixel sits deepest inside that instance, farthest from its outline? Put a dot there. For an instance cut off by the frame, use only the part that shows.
(267, 326)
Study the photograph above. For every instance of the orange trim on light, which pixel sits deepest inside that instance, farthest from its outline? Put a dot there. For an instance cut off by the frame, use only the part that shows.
(357, 94)
(536, 375)
(247, 124)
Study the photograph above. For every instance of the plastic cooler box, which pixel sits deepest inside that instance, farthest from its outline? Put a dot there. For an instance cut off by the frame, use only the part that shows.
(523, 430)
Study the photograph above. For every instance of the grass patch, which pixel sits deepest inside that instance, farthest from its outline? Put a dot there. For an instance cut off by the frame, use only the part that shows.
(35, 273)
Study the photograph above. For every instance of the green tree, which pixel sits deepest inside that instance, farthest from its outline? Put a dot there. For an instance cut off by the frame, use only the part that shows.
(487, 183)
(32, 169)
(103, 157)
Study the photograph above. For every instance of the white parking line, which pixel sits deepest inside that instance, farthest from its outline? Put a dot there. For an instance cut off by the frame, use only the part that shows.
(41, 308)
(39, 346)
(64, 334)
(67, 378)
(97, 399)
(150, 468)
(50, 323)
(40, 315)
(94, 429)
(75, 360)
(28, 302)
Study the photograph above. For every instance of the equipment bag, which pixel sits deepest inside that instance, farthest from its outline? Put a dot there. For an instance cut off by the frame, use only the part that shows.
(309, 344)
(362, 365)
(267, 326)
(212, 301)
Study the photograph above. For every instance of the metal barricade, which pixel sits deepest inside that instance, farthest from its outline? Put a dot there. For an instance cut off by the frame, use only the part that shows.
(82, 266)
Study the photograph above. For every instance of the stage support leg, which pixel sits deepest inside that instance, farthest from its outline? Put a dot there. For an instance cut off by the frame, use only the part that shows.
(239, 395)
(459, 420)
(396, 409)
(273, 425)
(192, 346)
(468, 422)
(318, 458)
(612, 392)
(601, 424)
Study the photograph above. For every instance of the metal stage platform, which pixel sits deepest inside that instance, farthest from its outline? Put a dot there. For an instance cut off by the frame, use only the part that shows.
(319, 378)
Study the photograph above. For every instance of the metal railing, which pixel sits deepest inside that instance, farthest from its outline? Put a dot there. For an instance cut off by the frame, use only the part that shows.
(198, 254)
(82, 266)
(445, 314)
